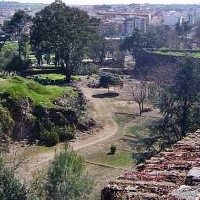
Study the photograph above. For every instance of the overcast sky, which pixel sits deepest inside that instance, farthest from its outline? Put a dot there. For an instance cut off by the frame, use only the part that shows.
(100, 2)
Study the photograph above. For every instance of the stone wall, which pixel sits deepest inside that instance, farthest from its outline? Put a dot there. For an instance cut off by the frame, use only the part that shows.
(164, 176)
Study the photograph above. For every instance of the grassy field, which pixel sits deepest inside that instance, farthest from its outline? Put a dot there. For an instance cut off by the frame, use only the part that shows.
(19, 87)
(194, 54)
(59, 77)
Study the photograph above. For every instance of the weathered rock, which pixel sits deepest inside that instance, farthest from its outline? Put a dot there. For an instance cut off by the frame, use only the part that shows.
(185, 192)
(29, 119)
(162, 174)
(193, 176)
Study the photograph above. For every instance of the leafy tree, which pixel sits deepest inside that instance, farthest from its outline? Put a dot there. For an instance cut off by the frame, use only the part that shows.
(16, 26)
(112, 47)
(139, 40)
(107, 79)
(64, 179)
(97, 48)
(24, 45)
(63, 31)
(3, 38)
(17, 64)
(180, 103)
(134, 43)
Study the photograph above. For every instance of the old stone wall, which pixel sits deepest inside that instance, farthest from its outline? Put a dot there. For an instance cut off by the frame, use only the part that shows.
(173, 174)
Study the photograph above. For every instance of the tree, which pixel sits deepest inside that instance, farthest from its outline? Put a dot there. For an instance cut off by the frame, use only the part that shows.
(183, 30)
(139, 92)
(180, 102)
(134, 43)
(140, 40)
(64, 32)
(65, 179)
(108, 79)
(197, 34)
(3, 38)
(16, 26)
(23, 46)
(10, 187)
(97, 48)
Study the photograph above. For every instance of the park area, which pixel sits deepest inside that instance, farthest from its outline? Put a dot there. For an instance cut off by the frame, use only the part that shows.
(119, 125)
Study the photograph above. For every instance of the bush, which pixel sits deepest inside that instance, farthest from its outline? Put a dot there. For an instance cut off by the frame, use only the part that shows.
(65, 179)
(113, 149)
(50, 137)
(66, 133)
(10, 188)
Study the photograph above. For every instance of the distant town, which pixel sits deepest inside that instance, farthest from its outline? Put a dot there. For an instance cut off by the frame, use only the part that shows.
(120, 20)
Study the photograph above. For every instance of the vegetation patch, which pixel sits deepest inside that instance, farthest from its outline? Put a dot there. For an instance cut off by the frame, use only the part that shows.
(10, 46)
(118, 159)
(18, 88)
(134, 129)
(178, 52)
(52, 76)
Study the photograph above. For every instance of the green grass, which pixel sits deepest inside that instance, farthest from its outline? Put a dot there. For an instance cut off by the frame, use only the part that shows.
(121, 121)
(134, 129)
(32, 58)
(75, 78)
(178, 53)
(119, 159)
(58, 77)
(19, 88)
(52, 76)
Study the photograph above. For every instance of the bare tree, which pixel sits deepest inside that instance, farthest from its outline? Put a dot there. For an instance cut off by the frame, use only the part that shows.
(139, 92)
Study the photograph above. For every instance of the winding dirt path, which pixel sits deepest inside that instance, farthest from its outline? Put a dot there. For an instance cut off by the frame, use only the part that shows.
(102, 114)
(99, 111)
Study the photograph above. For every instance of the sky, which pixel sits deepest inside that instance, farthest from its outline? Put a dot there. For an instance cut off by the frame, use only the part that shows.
(100, 2)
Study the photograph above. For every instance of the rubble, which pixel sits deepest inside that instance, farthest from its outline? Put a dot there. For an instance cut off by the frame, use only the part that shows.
(173, 174)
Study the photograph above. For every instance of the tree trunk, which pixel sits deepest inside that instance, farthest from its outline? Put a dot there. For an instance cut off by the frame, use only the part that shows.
(142, 105)
(140, 108)
(68, 77)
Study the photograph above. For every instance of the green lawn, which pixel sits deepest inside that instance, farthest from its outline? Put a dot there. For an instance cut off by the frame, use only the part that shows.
(52, 76)
(119, 159)
(19, 87)
(194, 54)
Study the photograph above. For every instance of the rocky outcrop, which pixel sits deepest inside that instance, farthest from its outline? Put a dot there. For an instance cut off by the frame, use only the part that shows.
(163, 175)
(29, 119)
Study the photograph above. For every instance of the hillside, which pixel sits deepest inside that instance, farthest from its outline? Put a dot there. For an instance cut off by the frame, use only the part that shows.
(33, 111)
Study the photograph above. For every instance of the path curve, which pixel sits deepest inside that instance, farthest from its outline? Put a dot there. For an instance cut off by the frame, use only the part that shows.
(100, 112)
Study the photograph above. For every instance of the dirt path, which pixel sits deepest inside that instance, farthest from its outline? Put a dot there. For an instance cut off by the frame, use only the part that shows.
(102, 114)
(99, 111)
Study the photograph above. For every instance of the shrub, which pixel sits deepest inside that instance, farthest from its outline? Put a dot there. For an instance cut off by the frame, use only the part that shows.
(65, 179)
(113, 149)
(66, 133)
(50, 137)
(10, 187)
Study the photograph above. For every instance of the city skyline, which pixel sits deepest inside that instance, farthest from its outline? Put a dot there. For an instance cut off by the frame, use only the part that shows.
(108, 2)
